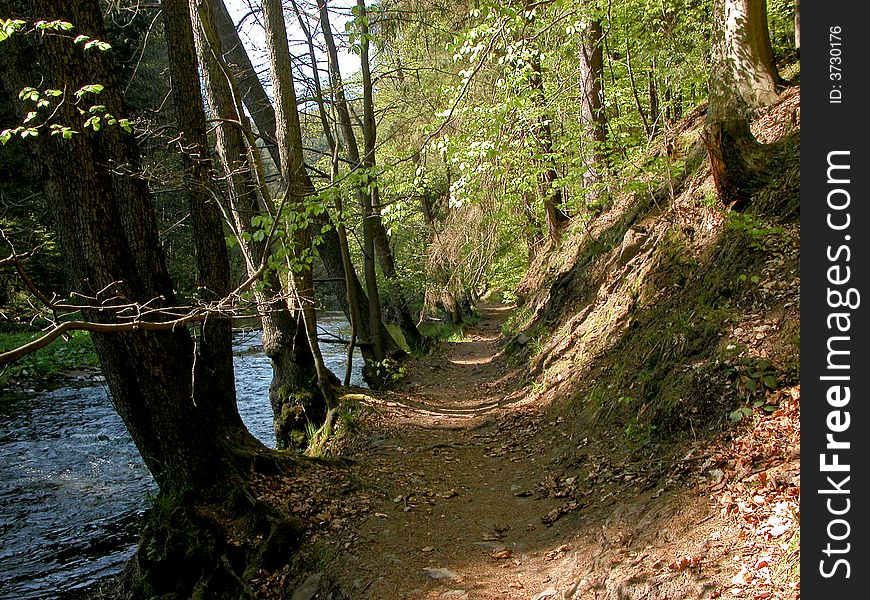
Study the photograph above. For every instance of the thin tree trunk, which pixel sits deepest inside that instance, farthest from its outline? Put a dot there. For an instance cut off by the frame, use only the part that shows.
(346, 129)
(552, 192)
(297, 185)
(293, 394)
(592, 116)
(253, 94)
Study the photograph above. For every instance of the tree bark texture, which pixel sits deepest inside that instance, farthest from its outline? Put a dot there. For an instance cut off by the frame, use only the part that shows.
(739, 82)
(107, 230)
(747, 51)
(214, 383)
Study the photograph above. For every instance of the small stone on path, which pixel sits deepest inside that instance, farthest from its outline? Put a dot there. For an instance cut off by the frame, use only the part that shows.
(439, 573)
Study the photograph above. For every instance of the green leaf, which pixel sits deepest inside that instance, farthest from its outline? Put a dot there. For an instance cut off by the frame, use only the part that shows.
(94, 122)
(9, 26)
(98, 44)
(771, 382)
(94, 88)
(81, 38)
(29, 93)
(30, 116)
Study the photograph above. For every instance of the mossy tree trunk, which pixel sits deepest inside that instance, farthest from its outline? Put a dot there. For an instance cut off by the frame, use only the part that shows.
(294, 394)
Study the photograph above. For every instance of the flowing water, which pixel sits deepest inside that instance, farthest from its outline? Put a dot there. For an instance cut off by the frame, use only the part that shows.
(72, 486)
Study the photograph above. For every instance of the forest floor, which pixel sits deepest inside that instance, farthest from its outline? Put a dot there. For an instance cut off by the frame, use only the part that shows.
(461, 492)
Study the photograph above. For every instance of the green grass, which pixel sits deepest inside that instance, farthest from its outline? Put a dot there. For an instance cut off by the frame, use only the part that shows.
(443, 332)
(55, 359)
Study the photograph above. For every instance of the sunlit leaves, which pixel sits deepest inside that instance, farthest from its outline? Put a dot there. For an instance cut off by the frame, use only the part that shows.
(90, 43)
(9, 26)
(93, 88)
(53, 25)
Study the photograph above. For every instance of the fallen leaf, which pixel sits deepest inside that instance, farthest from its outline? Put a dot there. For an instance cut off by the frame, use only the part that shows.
(743, 577)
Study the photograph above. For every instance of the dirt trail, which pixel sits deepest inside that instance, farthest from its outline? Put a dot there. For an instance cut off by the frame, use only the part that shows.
(457, 515)
(467, 489)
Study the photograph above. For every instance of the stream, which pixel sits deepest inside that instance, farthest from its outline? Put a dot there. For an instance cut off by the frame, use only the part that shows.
(72, 485)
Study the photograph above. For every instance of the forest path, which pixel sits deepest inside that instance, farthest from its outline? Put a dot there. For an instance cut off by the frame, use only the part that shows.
(454, 513)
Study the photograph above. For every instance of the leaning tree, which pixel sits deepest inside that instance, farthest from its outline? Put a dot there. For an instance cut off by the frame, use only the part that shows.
(192, 441)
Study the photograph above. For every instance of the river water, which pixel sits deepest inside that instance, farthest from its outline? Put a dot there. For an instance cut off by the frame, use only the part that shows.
(72, 485)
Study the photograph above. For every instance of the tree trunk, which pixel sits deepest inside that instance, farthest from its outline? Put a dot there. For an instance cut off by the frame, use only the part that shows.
(557, 220)
(293, 394)
(108, 234)
(739, 82)
(592, 116)
(399, 300)
(253, 94)
(297, 185)
(214, 384)
(797, 24)
(363, 198)
(747, 55)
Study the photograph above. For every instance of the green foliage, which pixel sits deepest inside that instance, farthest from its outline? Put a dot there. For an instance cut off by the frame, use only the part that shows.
(47, 101)
(443, 332)
(754, 379)
(55, 359)
(389, 371)
(752, 226)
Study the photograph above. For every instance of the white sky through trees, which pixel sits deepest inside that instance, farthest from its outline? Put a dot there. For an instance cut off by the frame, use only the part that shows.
(247, 15)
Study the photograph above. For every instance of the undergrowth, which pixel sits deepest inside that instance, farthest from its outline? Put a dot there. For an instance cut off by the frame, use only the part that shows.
(59, 357)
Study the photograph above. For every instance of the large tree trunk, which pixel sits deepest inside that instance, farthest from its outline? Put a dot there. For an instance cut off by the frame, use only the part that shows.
(746, 55)
(293, 394)
(107, 230)
(740, 80)
(108, 234)
(214, 384)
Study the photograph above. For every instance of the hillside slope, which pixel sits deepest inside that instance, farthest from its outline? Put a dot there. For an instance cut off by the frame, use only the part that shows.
(629, 430)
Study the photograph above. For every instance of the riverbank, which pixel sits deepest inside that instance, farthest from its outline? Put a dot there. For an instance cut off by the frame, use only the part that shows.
(69, 360)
